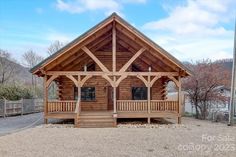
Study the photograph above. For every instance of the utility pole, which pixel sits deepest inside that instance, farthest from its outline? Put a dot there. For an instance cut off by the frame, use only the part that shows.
(233, 83)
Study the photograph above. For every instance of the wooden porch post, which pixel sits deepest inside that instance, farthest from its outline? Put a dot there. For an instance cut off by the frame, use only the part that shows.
(149, 96)
(180, 101)
(78, 103)
(79, 94)
(114, 70)
(45, 99)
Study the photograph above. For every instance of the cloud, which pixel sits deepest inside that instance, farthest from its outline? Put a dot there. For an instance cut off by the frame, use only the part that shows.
(195, 18)
(53, 36)
(39, 10)
(80, 6)
(196, 29)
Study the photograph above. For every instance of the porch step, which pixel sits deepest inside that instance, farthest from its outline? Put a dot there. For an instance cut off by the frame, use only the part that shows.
(95, 120)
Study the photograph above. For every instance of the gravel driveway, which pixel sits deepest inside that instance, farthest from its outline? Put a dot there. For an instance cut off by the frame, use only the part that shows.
(17, 123)
(192, 138)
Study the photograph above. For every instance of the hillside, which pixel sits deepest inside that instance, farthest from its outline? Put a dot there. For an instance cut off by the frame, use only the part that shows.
(227, 63)
(20, 74)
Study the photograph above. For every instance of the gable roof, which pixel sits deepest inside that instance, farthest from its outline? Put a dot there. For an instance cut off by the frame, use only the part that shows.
(120, 20)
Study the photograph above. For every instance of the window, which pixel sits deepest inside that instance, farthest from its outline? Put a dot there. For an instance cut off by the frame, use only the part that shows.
(135, 68)
(87, 93)
(139, 93)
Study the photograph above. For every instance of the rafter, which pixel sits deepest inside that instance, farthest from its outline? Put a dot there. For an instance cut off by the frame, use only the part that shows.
(144, 59)
(96, 60)
(135, 38)
(125, 67)
(128, 42)
(73, 49)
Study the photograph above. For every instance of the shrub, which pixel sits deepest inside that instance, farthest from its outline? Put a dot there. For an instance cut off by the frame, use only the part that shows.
(13, 92)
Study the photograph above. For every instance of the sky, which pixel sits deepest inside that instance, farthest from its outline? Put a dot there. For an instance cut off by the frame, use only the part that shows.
(190, 30)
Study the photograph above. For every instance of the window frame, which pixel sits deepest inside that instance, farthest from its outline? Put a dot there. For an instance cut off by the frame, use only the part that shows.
(141, 98)
(81, 96)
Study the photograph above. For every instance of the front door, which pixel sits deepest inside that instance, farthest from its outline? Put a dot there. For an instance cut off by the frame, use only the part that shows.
(110, 97)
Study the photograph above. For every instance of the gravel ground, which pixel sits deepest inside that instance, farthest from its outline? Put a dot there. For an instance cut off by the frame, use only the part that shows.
(192, 138)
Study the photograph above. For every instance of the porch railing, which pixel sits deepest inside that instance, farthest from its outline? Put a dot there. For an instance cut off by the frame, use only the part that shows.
(164, 105)
(131, 105)
(142, 106)
(61, 106)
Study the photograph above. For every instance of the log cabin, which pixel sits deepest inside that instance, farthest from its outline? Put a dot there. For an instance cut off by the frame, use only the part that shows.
(111, 71)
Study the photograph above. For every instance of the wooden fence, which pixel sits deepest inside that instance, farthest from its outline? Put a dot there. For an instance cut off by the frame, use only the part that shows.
(20, 107)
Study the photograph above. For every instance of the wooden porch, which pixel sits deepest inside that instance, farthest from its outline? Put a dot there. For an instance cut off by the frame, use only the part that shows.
(124, 108)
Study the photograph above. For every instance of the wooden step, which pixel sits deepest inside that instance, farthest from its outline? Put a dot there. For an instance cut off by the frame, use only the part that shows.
(96, 125)
(94, 116)
(95, 119)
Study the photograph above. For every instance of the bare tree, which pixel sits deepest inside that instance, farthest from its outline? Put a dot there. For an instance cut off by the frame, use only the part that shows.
(30, 60)
(54, 47)
(7, 67)
(201, 87)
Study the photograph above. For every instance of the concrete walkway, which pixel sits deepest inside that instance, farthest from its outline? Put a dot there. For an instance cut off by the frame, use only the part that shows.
(14, 124)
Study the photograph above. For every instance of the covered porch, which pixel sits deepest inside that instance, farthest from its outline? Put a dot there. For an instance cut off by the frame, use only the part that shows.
(149, 108)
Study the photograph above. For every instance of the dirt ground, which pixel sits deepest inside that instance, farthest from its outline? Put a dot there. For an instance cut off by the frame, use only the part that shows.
(191, 138)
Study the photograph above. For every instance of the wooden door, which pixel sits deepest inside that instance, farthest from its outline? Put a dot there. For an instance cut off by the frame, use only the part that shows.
(110, 97)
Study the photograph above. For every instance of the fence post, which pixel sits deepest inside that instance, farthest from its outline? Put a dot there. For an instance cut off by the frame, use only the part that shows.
(34, 105)
(22, 106)
(4, 106)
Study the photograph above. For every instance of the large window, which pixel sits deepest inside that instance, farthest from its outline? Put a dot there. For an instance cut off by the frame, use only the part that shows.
(87, 93)
(139, 93)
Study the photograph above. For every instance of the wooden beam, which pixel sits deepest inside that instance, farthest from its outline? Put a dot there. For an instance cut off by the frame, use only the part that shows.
(99, 40)
(45, 99)
(114, 96)
(149, 96)
(78, 104)
(79, 61)
(71, 77)
(154, 80)
(146, 45)
(180, 101)
(100, 73)
(126, 66)
(96, 60)
(177, 83)
(120, 79)
(53, 77)
(129, 42)
(143, 79)
(109, 80)
(101, 44)
(114, 47)
(144, 58)
(85, 79)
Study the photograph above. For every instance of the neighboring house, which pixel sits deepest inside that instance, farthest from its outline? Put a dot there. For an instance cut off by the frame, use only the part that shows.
(112, 71)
